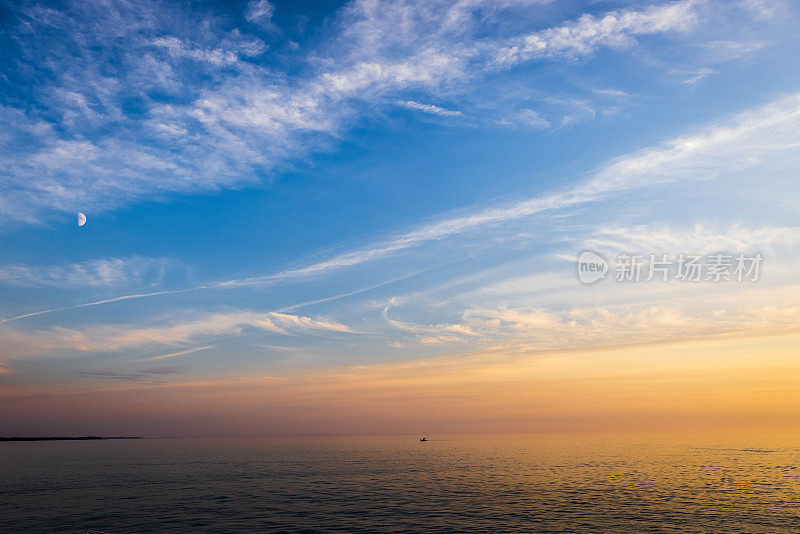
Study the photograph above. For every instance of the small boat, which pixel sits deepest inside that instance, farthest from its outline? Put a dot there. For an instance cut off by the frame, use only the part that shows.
(423, 439)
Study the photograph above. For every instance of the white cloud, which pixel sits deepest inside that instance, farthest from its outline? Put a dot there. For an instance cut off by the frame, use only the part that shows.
(217, 56)
(582, 327)
(429, 108)
(105, 338)
(698, 239)
(769, 131)
(444, 331)
(94, 273)
(697, 76)
(224, 127)
(772, 130)
(728, 50)
(532, 329)
(583, 36)
(259, 11)
(525, 117)
(765, 9)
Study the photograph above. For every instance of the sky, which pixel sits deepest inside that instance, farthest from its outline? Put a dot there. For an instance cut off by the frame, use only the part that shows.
(366, 216)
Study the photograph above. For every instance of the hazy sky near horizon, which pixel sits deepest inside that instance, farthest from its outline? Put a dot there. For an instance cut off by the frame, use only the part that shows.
(312, 212)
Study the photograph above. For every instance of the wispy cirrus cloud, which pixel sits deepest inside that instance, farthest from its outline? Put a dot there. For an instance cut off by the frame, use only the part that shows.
(541, 330)
(231, 114)
(216, 56)
(153, 374)
(695, 77)
(699, 238)
(525, 117)
(768, 132)
(115, 337)
(106, 272)
(583, 36)
(429, 108)
(259, 11)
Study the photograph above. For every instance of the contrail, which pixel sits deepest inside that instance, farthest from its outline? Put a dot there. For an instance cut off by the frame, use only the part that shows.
(99, 302)
(181, 353)
(350, 293)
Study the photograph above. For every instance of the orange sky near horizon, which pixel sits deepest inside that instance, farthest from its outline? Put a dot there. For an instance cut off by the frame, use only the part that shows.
(725, 382)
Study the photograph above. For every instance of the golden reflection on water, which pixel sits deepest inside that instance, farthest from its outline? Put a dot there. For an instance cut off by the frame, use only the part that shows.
(539, 483)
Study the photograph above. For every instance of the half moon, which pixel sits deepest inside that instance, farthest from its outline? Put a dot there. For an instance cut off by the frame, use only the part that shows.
(81, 219)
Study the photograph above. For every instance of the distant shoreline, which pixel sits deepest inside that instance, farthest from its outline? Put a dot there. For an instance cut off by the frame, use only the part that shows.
(67, 438)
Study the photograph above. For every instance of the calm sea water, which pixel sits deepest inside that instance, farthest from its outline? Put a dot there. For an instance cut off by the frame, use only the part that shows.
(398, 484)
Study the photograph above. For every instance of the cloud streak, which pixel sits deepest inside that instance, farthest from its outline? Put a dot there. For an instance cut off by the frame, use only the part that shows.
(770, 131)
(699, 239)
(179, 353)
(583, 36)
(429, 108)
(540, 330)
(110, 338)
(107, 272)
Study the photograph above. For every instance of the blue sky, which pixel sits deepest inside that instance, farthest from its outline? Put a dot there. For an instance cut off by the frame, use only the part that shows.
(278, 188)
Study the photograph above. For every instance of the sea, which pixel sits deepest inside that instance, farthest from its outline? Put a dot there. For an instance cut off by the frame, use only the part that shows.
(484, 483)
